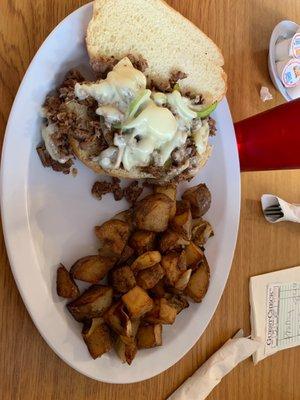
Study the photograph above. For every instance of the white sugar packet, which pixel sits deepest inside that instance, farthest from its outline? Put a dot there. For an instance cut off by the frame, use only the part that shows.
(202, 382)
(291, 212)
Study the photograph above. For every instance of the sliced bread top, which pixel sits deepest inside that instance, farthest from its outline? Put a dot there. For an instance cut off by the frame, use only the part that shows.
(168, 41)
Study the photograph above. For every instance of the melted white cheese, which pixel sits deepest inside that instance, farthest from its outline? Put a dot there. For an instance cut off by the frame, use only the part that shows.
(119, 88)
(151, 130)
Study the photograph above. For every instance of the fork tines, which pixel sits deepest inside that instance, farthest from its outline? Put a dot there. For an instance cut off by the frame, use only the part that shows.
(274, 211)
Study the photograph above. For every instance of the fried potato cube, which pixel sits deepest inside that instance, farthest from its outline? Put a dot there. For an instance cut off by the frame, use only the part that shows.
(126, 255)
(149, 277)
(199, 198)
(126, 351)
(118, 320)
(153, 212)
(193, 255)
(65, 285)
(201, 231)
(158, 290)
(162, 312)
(169, 263)
(169, 190)
(135, 323)
(96, 335)
(92, 303)
(199, 282)
(137, 302)
(182, 261)
(113, 234)
(149, 336)
(183, 280)
(142, 241)
(171, 240)
(122, 279)
(146, 260)
(178, 301)
(91, 268)
(182, 221)
(125, 216)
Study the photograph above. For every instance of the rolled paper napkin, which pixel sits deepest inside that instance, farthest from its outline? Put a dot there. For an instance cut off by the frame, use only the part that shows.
(291, 212)
(202, 382)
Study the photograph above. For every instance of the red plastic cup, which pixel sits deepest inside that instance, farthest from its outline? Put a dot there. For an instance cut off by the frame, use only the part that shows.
(270, 140)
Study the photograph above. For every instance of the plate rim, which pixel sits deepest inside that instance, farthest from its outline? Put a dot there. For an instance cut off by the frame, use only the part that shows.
(7, 234)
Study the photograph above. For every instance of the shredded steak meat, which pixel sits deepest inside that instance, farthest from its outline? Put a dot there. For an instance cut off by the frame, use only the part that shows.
(133, 192)
(138, 62)
(212, 126)
(102, 65)
(180, 155)
(47, 161)
(116, 189)
(168, 86)
(176, 76)
(197, 100)
(101, 188)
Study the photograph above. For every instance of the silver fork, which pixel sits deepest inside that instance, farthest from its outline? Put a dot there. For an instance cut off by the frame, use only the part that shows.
(274, 212)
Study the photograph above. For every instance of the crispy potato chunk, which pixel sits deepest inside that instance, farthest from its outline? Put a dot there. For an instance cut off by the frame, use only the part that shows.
(65, 285)
(92, 303)
(126, 255)
(92, 268)
(96, 335)
(169, 190)
(169, 263)
(182, 221)
(146, 260)
(201, 231)
(183, 280)
(123, 279)
(171, 240)
(113, 234)
(153, 213)
(135, 323)
(182, 261)
(125, 216)
(149, 336)
(126, 351)
(199, 282)
(137, 302)
(199, 198)
(159, 289)
(162, 312)
(118, 320)
(178, 301)
(193, 255)
(149, 277)
(142, 241)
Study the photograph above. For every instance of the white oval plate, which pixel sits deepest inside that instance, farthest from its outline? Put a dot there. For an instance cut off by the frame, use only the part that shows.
(282, 30)
(49, 218)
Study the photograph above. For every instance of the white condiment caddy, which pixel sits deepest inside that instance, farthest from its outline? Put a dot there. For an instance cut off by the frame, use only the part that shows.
(285, 49)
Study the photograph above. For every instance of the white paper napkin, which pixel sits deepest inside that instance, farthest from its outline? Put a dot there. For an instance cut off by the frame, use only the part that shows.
(291, 212)
(202, 382)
